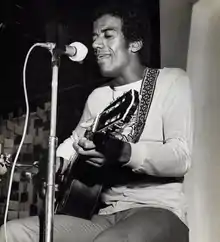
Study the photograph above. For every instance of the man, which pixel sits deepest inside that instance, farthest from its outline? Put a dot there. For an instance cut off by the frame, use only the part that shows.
(144, 210)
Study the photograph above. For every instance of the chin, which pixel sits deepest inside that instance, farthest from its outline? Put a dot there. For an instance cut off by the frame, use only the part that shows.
(108, 73)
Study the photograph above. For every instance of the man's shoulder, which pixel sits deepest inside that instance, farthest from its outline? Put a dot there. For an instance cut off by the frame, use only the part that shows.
(99, 92)
(172, 72)
(98, 99)
(170, 80)
(170, 76)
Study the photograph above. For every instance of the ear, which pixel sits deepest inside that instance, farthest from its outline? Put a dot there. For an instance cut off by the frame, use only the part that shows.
(135, 46)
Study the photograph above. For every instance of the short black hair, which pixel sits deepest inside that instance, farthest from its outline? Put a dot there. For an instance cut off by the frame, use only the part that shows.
(135, 22)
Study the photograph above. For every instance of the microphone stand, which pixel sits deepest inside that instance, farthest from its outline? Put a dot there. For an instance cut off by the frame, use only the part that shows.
(53, 140)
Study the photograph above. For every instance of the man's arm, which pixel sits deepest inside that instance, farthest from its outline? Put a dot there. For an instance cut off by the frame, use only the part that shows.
(173, 157)
(65, 149)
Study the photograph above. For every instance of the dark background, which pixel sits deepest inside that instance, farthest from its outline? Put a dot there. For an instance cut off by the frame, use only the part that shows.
(23, 23)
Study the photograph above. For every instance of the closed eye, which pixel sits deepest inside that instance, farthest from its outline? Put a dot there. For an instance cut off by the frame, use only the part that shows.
(109, 33)
(107, 36)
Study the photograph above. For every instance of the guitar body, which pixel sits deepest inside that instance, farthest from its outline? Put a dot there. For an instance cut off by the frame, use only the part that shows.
(80, 191)
(81, 185)
(81, 201)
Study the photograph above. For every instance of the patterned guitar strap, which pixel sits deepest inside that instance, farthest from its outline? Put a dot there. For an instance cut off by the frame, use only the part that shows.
(146, 96)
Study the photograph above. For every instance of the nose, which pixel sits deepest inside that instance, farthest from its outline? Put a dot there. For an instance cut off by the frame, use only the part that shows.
(98, 43)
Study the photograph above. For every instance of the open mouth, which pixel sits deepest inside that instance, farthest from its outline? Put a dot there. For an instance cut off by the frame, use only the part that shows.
(103, 56)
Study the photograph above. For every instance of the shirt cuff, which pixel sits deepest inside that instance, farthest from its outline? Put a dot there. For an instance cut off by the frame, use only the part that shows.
(66, 150)
(137, 157)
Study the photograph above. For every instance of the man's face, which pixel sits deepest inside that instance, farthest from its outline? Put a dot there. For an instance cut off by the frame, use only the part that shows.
(110, 46)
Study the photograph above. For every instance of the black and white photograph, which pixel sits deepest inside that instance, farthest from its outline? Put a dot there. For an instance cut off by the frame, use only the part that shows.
(109, 121)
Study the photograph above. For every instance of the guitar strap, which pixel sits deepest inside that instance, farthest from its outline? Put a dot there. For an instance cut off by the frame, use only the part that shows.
(146, 96)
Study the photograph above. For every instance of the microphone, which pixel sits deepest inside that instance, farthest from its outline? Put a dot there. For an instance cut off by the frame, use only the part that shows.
(76, 51)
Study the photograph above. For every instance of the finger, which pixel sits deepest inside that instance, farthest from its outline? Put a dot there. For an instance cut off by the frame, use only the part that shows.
(78, 149)
(90, 153)
(86, 144)
(98, 162)
(92, 163)
(82, 144)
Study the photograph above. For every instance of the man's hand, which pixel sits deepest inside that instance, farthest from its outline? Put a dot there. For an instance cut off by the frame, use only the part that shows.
(104, 148)
(87, 148)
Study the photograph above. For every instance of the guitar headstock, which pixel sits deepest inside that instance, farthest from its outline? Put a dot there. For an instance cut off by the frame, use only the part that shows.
(118, 112)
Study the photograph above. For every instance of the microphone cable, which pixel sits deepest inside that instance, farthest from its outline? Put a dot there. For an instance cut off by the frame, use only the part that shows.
(22, 140)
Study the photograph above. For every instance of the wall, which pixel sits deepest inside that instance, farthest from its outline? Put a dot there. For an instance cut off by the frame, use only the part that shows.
(202, 184)
(202, 63)
(23, 200)
(175, 17)
(11, 131)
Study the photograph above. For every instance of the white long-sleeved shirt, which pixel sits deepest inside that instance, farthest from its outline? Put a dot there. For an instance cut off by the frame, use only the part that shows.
(164, 148)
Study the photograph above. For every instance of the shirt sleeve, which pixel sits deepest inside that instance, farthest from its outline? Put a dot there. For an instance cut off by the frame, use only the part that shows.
(173, 156)
(65, 149)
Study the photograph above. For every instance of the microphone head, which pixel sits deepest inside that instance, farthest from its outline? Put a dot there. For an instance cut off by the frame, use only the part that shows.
(81, 51)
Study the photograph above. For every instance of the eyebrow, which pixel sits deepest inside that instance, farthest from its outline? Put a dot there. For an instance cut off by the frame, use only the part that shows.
(105, 30)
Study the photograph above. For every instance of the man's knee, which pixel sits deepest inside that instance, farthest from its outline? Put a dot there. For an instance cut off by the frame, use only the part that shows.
(17, 231)
(12, 231)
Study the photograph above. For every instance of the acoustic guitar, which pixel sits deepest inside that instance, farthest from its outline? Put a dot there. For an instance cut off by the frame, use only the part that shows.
(80, 186)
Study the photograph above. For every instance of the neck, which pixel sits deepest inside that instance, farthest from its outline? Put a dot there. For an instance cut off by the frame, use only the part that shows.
(132, 73)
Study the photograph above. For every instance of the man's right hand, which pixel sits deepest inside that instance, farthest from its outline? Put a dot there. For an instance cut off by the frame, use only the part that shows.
(87, 148)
